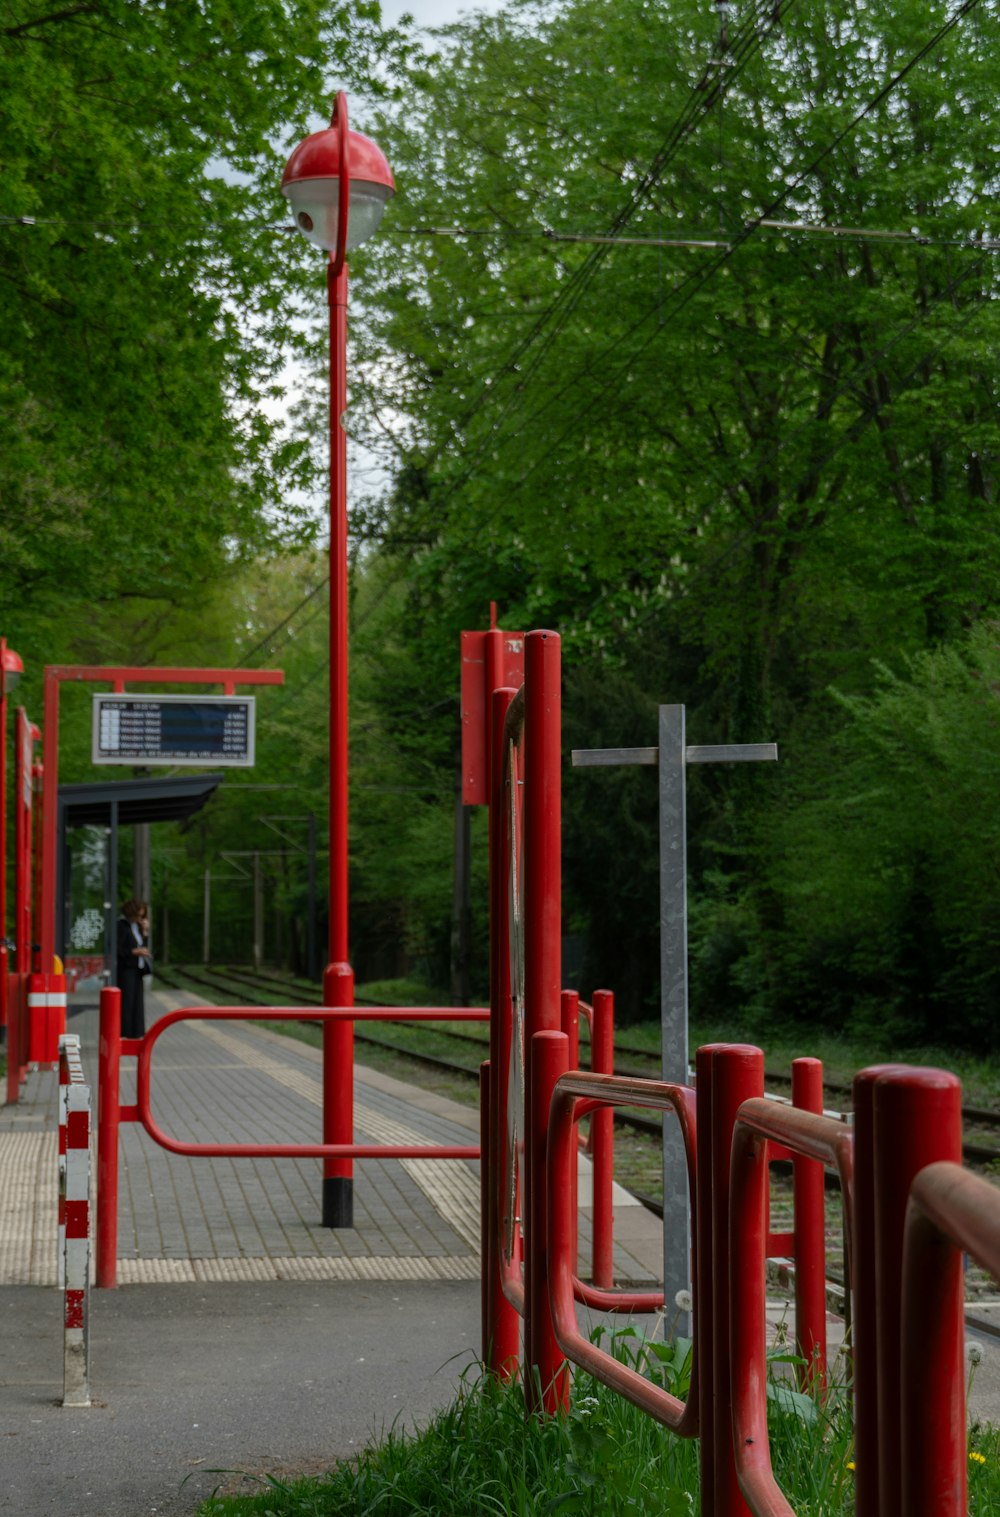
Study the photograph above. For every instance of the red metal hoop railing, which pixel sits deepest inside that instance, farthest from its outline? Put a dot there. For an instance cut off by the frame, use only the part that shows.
(758, 1124)
(950, 1211)
(575, 1096)
(111, 1114)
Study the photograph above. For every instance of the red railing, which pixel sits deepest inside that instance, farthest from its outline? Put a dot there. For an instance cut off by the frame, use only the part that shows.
(822, 1140)
(111, 1113)
(950, 1212)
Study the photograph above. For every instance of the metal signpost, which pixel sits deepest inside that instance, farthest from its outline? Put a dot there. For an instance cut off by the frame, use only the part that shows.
(178, 730)
(672, 756)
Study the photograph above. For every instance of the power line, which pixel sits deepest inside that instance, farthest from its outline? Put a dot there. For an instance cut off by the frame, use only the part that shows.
(701, 278)
(696, 109)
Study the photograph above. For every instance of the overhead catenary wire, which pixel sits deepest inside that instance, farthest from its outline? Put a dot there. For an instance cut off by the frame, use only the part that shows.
(697, 280)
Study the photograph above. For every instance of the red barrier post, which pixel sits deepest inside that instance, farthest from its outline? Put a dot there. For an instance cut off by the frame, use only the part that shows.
(736, 1072)
(338, 1097)
(46, 1017)
(810, 1236)
(108, 1118)
(602, 1134)
(950, 1210)
(546, 1372)
(917, 1120)
(864, 1315)
(502, 1346)
(542, 842)
(485, 1138)
(704, 1351)
(570, 1011)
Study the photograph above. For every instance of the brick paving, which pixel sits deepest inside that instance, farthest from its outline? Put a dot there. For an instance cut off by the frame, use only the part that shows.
(185, 1218)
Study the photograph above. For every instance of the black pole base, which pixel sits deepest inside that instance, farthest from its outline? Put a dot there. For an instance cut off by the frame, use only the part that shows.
(338, 1202)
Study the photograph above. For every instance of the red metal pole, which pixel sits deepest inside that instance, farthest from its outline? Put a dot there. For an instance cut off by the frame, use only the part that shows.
(22, 903)
(810, 1235)
(570, 1015)
(542, 833)
(546, 1372)
(602, 1133)
(46, 926)
(704, 1352)
(502, 1346)
(917, 1120)
(737, 1075)
(542, 936)
(542, 969)
(338, 1041)
(338, 1097)
(38, 807)
(108, 1117)
(4, 957)
(865, 1348)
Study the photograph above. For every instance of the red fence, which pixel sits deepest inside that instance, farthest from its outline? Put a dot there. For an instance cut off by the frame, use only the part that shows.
(904, 1266)
(905, 1277)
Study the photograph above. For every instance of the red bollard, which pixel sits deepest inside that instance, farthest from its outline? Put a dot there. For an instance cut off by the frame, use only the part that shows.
(917, 1120)
(338, 1097)
(810, 1236)
(734, 1073)
(108, 1117)
(602, 1133)
(547, 1378)
(46, 1017)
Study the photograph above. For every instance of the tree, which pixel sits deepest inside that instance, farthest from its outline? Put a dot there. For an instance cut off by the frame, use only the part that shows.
(767, 459)
(146, 294)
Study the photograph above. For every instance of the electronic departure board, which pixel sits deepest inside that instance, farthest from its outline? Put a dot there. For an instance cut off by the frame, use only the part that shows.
(216, 730)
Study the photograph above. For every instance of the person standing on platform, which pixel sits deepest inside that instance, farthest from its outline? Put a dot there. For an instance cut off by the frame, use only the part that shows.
(133, 962)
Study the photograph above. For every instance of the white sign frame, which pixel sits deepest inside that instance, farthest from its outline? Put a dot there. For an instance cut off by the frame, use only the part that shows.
(103, 710)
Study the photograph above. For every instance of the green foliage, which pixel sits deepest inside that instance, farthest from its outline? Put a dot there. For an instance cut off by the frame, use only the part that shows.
(730, 476)
(146, 301)
(885, 858)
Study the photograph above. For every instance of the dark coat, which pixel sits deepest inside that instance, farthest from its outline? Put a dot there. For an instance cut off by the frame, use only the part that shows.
(129, 980)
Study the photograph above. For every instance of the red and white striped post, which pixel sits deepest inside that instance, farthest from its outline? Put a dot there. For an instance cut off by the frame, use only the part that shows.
(75, 1225)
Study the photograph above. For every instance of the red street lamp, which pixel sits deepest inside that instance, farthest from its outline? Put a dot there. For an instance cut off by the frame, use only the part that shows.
(11, 669)
(338, 184)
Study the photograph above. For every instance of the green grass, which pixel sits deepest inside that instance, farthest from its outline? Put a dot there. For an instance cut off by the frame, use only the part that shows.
(484, 1456)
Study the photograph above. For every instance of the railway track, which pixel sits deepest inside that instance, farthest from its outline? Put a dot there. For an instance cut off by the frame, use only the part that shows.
(263, 988)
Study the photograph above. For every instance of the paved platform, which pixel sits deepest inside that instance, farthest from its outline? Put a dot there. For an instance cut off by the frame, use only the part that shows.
(244, 1336)
(200, 1219)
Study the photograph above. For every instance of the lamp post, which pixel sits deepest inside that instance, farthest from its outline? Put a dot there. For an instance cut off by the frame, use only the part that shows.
(338, 184)
(11, 669)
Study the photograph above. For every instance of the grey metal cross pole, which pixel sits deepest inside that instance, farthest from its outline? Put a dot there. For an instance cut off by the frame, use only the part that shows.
(672, 756)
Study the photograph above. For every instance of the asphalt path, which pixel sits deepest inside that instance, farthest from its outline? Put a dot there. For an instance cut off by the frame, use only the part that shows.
(212, 1385)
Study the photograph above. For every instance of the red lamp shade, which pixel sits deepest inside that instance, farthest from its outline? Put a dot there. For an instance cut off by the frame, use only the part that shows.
(311, 183)
(10, 671)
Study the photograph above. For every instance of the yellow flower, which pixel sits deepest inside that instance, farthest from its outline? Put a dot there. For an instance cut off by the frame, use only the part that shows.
(850, 1464)
(977, 1458)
